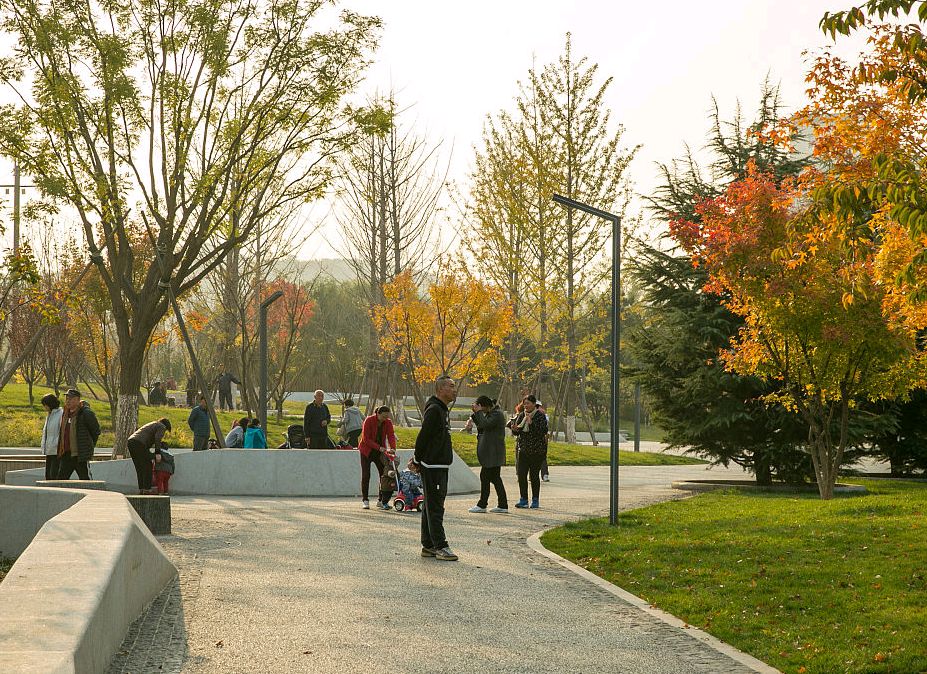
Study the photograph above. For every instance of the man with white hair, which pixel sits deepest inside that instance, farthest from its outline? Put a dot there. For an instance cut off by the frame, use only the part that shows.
(315, 422)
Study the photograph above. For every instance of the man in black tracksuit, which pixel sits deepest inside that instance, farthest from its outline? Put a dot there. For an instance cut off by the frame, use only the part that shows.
(433, 457)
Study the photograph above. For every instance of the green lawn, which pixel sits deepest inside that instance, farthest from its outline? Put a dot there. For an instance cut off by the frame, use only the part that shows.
(559, 453)
(22, 424)
(22, 427)
(802, 584)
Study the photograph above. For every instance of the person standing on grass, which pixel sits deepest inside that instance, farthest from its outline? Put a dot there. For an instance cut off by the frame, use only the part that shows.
(198, 421)
(530, 431)
(224, 384)
(80, 431)
(489, 420)
(432, 459)
(315, 422)
(377, 439)
(352, 422)
(145, 445)
(51, 434)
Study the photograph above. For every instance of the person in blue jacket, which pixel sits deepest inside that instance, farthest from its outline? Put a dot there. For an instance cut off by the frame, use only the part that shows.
(199, 424)
(254, 436)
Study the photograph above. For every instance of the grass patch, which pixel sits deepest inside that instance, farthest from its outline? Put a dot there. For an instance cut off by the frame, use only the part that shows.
(5, 566)
(559, 453)
(802, 584)
(22, 427)
(23, 423)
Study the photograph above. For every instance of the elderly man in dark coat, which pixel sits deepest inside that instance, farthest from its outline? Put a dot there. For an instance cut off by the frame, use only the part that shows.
(80, 431)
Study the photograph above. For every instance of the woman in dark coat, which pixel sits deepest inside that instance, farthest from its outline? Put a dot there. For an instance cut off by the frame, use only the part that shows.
(489, 420)
(530, 431)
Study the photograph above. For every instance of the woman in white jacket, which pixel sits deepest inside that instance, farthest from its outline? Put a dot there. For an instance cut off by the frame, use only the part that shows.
(51, 434)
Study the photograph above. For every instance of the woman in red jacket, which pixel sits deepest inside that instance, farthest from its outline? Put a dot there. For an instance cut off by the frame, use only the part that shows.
(377, 437)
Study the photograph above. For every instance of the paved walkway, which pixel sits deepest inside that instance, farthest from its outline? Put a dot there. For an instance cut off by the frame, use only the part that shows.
(319, 585)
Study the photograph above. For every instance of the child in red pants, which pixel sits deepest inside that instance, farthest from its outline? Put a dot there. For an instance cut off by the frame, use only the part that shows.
(162, 471)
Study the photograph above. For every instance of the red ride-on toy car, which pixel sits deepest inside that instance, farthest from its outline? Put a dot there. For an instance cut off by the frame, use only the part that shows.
(402, 502)
(410, 496)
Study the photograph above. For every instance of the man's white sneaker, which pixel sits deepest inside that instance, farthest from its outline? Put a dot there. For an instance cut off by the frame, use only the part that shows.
(365, 505)
(476, 509)
(498, 510)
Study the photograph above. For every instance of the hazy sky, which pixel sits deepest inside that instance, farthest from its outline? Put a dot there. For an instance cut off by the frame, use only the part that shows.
(457, 62)
(454, 63)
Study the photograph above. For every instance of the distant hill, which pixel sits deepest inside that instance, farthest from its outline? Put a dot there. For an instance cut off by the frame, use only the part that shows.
(336, 269)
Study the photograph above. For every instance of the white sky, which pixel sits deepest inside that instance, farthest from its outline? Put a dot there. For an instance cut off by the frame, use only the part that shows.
(455, 63)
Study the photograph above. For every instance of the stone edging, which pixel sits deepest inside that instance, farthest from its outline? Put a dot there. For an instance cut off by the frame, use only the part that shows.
(87, 569)
(534, 542)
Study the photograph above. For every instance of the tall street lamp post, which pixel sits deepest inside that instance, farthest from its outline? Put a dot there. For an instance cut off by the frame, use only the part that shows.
(616, 339)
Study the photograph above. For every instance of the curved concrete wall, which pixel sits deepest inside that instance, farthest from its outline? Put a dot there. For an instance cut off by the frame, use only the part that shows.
(89, 571)
(260, 472)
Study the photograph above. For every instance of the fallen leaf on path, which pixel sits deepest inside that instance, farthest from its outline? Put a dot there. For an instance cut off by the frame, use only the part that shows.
(219, 644)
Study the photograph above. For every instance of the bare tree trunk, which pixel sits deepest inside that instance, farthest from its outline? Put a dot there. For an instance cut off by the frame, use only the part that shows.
(17, 362)
(584, 408)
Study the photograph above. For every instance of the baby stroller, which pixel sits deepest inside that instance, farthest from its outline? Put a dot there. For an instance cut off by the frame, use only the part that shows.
(295, 438)
(410, 496)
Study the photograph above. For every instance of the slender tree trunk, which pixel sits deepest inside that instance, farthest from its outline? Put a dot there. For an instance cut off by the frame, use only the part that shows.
(584, 408)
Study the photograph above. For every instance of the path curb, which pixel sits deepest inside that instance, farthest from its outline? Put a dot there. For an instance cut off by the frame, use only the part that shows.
(534, 542)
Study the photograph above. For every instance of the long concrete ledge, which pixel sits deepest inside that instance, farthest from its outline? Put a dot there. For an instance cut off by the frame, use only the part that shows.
(259, 472)
(87, 566)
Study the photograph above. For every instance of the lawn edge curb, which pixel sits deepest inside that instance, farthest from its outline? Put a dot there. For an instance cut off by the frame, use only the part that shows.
(534, 542)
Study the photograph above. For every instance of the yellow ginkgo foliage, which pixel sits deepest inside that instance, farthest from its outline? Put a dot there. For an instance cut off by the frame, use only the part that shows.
(456, 326)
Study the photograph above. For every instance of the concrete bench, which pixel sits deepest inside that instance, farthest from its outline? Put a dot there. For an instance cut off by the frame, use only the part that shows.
(99, 485)
(155, 512)
(19, 463)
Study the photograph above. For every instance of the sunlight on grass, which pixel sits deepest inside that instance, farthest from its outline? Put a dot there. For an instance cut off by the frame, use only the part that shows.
(803, 584)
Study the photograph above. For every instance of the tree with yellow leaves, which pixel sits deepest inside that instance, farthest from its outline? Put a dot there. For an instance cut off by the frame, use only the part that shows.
(457, 327)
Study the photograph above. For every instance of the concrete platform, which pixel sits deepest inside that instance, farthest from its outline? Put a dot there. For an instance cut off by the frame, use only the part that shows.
(257, 472)
(87, 567)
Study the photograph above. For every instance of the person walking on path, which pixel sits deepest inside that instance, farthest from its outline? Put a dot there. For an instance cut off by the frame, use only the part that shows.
(51, 434)
(377, 439)
(80, 431)
(254, 436)
(433, 457)
(145, 445)
(315, 422)
(489, 420)
(236, 437)
(198, 422)
(530, 431)
(352, 422)
(224, 383)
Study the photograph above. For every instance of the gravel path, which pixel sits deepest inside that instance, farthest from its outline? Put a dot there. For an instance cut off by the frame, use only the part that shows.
(319, 585)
